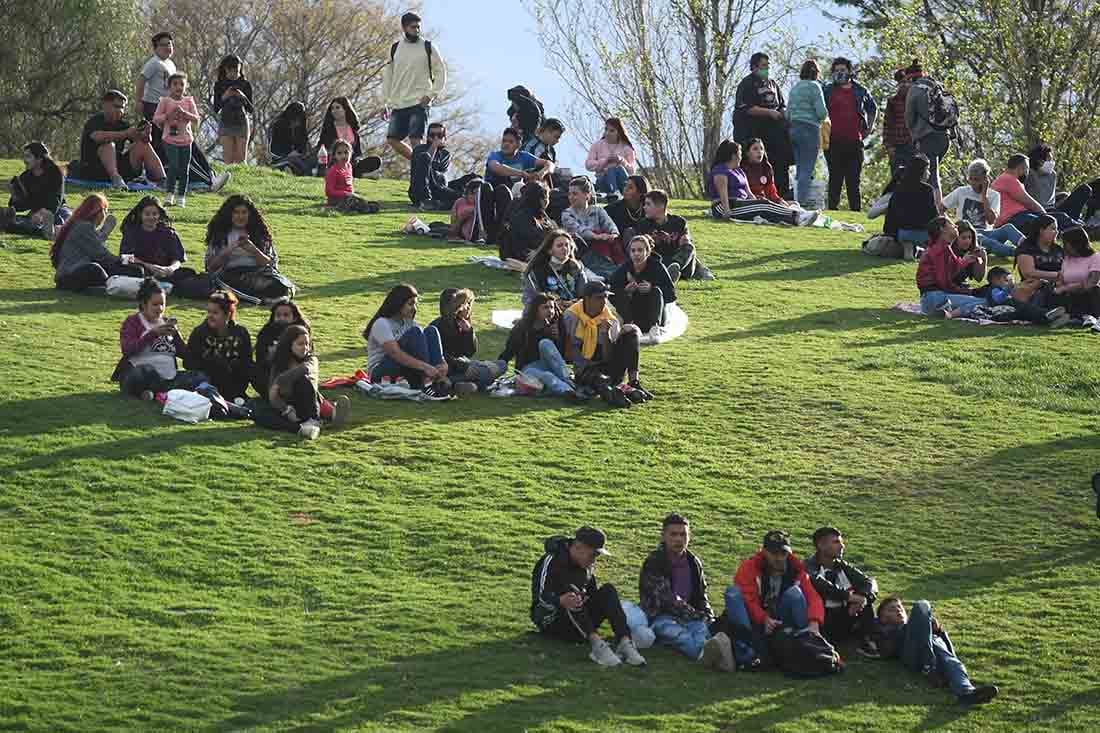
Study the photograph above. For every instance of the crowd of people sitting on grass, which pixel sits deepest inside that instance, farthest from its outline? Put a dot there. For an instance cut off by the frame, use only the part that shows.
(780, 611)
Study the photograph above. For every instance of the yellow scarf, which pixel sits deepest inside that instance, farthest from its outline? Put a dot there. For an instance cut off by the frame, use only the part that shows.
(588, 327)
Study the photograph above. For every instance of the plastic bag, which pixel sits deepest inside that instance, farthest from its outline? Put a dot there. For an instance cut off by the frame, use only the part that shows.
(187, 406)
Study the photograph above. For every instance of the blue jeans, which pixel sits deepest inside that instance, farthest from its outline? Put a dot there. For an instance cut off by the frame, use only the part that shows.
(135, 380)
(612, 180)
(1001, 241)
(792, 613)
(687, 637)
(416, 343)
(550, 369)
(177, 168)
(916, 236)
(923, 650)
(1025, 220)
(806, 141)
(935, 300)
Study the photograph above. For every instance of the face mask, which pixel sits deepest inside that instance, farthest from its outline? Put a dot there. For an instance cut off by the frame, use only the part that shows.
(841, 77)
(762, 74)
(1047, 167)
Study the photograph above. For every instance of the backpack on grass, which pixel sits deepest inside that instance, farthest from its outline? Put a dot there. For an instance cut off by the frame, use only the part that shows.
(806, 654)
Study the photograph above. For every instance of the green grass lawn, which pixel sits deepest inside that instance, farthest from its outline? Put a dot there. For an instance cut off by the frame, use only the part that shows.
(158, 576)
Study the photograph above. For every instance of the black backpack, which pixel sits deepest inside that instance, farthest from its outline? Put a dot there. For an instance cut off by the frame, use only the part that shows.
(428, 48)
(943, 110)
(807, 654)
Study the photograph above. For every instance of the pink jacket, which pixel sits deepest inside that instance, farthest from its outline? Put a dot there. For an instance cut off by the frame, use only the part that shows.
(602, 150)
(165, 109)
(133, 339)
(338, 181)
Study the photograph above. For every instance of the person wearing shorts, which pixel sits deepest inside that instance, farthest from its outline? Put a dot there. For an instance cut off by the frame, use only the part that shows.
(415, 76)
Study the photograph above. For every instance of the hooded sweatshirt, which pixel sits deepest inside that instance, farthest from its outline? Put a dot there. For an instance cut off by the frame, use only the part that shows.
(654, 272)
(554, 575)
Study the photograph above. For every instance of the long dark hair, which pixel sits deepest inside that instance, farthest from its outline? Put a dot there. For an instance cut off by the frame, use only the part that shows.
(913, 176)
(1076, 243)
(88, 210)
(1038, 155)
(749, 144)
(526, 322)
(228, 62)
(618, 125)
(42, 153)
(535, 197)
(293, 110)
(281, 361)
(725, 152)
(222, 223)
(299, 319)
(1044, 221)
(328, 125)
(395, 300)
(540, 258)
(641, 183)
(133, 219)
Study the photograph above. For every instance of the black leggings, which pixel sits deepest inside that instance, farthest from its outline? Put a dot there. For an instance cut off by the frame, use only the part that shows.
(603, 605)
(306, 401)
(621, 359)
(493, 204)
(645, 310)
(94, 275)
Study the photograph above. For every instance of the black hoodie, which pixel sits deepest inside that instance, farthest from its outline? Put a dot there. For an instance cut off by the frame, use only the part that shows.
(554, 575)
(654, 272)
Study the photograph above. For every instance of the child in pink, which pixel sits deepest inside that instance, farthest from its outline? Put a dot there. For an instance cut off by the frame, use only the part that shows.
(174, 116)
(465, 216)
(339, 189)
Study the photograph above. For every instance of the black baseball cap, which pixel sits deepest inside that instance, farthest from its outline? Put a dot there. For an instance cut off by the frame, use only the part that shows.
(592, 537)
(112, 94)
(595, 288)
(777, 541)
(823, 532)
(675, 518)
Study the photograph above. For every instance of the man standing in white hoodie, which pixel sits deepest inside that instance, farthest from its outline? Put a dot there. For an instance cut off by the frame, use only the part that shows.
(414, 77)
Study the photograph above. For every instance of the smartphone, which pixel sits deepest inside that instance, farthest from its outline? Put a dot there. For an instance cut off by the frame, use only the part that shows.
(170, 322)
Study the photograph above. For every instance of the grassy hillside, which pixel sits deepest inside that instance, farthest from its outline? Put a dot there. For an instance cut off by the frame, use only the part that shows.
(158, 576)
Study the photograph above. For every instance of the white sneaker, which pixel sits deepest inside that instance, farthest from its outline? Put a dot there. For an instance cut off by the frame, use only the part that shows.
(602, 655)
(807, 218)
(219, 181)
(182, 202)
(310, 429)
(119, 184)
(674, 271)
(718, 653)
(628, 653)
(170, 200)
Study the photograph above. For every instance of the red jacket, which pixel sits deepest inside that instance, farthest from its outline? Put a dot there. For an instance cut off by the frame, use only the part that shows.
(750, 577)
(938, 269)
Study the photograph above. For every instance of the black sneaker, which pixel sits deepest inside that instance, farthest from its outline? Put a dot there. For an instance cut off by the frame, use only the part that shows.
(632, 394)
(636, 385)
(869, 650)
(436, 391)
(614, 397)
(753, 665)
(702, 272)
(980, 696)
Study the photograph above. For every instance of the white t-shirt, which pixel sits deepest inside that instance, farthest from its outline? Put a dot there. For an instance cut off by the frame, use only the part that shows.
(156, 72)
(968, 205)
(161, 354)
(384, 330)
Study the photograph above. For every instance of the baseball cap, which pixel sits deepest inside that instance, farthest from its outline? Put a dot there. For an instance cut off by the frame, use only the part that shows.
(596, 288)
(777, 541)
(825, 532)
(592, 537)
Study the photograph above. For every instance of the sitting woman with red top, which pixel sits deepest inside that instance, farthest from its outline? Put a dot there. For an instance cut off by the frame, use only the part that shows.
(731, 197)
(339, 189)
(941, 295)
(761, 175)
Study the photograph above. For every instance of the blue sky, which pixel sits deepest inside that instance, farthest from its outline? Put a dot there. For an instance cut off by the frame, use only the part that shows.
(491, 62)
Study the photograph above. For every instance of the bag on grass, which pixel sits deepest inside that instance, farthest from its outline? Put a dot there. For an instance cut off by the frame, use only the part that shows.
(124, 286)
(805, 654)
(883, 245)
(187, 406)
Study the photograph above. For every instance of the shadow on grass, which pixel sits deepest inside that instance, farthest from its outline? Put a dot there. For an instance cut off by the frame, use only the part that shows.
(428, 280)
(27, 301)
(814, 264)
(526, 681)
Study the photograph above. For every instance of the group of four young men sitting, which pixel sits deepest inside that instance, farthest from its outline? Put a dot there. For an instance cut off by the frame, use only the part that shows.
(771, 590)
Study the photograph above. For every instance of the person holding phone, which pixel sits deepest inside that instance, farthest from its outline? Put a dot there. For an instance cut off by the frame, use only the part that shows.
(240, 253)
(980, 205)
(113, 149)
(151, 343)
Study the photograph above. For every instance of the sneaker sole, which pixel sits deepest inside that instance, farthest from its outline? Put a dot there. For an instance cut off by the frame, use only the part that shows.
(616, 663)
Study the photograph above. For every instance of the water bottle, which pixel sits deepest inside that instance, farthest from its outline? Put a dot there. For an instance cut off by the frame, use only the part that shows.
(322, 160)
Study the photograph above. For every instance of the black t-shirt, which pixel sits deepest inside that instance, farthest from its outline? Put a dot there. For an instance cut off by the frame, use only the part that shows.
(1049, 261)
(667, 237)
(89, 159)
(755, 92)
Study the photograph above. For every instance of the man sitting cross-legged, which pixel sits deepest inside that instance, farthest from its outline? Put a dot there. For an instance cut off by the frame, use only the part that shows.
(567, 604)
(848, 594)
(770, 591)
(111, 148)
(923, 646)
(673, 593)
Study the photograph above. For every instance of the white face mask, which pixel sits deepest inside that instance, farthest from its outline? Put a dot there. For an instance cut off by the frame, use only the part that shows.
(1047, 167)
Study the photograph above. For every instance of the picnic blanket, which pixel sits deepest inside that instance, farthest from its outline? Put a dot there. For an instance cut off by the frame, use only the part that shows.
(676, 323)
(914, 309)
(131, 185)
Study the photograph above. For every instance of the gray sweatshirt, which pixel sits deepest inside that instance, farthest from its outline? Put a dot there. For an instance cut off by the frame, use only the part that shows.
(82, 246)
(1042, 187)
(593, 220)
(916, 110)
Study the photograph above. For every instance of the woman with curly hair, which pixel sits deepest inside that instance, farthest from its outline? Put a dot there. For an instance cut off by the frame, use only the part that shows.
(78, 255)
(554, 268)
(342, 123)
(240, 253)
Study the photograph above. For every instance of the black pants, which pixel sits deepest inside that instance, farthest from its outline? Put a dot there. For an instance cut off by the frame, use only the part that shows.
(684, 256)
(1079, 302)
(1075, 203)
(424, 186)
(604, 605)
(840, 625)
(621, 359)
(644, 310)
(493, 205)
(845, 160)
(94, 275)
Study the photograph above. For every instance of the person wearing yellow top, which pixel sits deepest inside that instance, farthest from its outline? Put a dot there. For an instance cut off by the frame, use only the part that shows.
(414, 77)
(603, 350)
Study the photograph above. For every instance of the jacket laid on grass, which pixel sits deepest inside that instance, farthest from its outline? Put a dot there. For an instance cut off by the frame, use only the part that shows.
(655, 589)
(832, 592)
(554, 575)
(753, 574)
